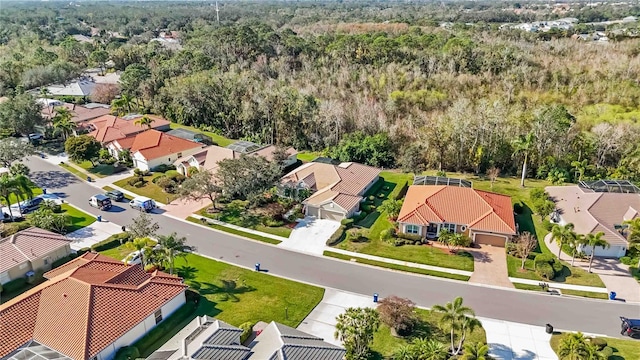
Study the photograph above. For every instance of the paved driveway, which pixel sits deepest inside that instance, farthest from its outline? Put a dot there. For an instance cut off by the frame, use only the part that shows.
(490, 266)
(615, 276)
(310, 235)
(513, 341)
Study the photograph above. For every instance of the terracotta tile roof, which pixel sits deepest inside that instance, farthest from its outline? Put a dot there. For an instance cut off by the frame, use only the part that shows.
(85, 306)
(340, 183)
(109, 127)
(479, 210)
(28, 245)
(80, 113)
(267, 152)
(153, 144)
(591, 212)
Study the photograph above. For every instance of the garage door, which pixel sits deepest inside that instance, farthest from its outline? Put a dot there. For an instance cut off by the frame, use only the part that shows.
(332, 215)
(493, 240)
(312, 211)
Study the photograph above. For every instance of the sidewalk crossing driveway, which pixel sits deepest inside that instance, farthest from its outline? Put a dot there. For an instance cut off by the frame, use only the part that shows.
(311, 235)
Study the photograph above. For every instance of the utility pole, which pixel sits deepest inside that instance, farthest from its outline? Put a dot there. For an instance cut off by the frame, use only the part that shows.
(217, 14)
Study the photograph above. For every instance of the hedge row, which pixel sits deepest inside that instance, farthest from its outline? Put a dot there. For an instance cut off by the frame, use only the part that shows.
(112, 242)
(337, 236)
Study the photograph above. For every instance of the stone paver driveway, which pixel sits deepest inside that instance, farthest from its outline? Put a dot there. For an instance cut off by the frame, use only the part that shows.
(490, 266)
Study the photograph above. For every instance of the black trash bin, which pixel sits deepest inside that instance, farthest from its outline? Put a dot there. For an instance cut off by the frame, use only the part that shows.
(549, 329)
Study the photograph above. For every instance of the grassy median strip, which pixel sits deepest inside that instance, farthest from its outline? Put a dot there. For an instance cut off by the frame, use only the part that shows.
(587, 294)
(235, 232)
(396, 267)
(74, 171)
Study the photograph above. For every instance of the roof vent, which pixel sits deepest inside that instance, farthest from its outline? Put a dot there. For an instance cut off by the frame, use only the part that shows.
(64, 295)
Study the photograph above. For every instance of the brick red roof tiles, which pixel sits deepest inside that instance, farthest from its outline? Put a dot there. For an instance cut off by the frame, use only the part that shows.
(479, 210)
(109, 128)
(85, 306)
(153, 144)
(28, 245)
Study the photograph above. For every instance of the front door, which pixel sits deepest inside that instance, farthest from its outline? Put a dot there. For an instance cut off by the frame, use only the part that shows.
(432, 230)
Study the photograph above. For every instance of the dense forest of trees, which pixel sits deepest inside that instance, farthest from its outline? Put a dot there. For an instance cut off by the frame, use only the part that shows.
(337, 75)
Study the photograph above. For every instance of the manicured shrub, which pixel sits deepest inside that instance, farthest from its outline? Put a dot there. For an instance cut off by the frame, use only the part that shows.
(127, 353)
(545, 270)
(14, 285)
(348, 223)
(517, 208)
(557, 266)
(158, 178)
(366, 208)
(381, 196)
(139, 184)
(547, 225)
(403, 190)
(272, 222)
(357, 235)
(599, 343)
(134, 180)
(412, 237)
(337, 236)
(164, 168)
(543, 258)
(247, 329)
(388, 235)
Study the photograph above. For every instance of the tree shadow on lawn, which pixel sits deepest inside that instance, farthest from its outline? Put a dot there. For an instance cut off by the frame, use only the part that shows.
(228, 291)
(422, 330)
(187, 272)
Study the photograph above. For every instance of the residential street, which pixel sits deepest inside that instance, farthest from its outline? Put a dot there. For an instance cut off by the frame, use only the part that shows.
(591, 316)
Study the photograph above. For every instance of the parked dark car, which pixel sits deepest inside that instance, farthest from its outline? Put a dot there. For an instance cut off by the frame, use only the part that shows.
(630, 327)
(115, 195)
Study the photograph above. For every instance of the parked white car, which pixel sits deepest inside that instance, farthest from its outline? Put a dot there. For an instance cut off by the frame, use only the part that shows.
(134, 258)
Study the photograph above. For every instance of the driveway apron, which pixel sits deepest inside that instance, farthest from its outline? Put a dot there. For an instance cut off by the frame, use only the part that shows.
(490, 266)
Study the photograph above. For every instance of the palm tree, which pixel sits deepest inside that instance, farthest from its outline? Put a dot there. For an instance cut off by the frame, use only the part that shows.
(144, 121)
(454, 314)
(524, 145)
(141, 244)
(122, 105)
(595, 240)
(572, 347)
(575, 243)
(475, 351)
(591, 353)
(62, 122)
(467, 325)
(430, 349)
(562, 235)
(581, 167)
(172, 248)
(9, 186)
(634, 234)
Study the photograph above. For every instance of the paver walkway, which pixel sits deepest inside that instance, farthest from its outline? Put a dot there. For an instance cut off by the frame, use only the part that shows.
(490, 266)
(615, 275)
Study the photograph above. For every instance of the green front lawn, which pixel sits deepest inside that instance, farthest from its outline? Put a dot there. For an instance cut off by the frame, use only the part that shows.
(622, 349)
(74, 171)
(149, 189)
(396, 267)
(569, 275)
(100, 170)
(249, 218)
(218, 139)
(384, 344)
(13, 199)
(237, 295)
(78, 218)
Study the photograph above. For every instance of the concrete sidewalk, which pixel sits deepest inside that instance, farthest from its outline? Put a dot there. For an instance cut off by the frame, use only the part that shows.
(400, 262)
(554, 285)
(92, 234)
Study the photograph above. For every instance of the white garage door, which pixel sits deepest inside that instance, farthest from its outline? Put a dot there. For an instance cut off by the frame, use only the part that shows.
(312, 211)
(332, 215)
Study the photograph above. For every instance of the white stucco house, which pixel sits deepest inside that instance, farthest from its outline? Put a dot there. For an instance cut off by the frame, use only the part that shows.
(87, 310)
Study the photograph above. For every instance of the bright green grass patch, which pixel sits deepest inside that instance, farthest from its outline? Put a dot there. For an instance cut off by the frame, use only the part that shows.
(218, 139)
(569, 275)
(149, 189)
(622, 349)
(75, 171)
(396, 267)
(275, 230)
(588, 294)
(308, 156)
(250, 219)
(100, 170)
(384, 344)
(78, 218)
(13, 199)
(236, 232)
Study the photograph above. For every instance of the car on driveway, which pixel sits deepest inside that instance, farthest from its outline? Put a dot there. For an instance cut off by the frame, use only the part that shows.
(28, 205)
(36, 136)
(115, 195)
(134, 258)
(630, 327)
(51, 197)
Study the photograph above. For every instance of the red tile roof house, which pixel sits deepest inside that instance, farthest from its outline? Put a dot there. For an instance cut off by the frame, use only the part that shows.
(592, 212)
(108, 128)
(337, 189)
(486, 217)
(152, 148)
(88, 309)
(32, 249)
(81, 113)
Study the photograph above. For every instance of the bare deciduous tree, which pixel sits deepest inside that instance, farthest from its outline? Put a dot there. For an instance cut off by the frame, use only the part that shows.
(524, 245)
(493, 174)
